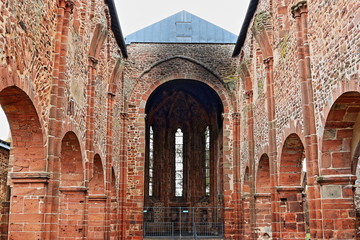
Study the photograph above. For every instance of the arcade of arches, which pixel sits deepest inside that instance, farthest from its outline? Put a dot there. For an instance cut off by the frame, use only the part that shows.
(258, 139)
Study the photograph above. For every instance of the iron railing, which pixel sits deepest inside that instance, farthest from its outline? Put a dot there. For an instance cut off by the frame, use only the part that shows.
(175, 222)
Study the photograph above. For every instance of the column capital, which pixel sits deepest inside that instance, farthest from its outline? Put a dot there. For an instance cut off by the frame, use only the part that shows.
(298, 9)
(249, 94)
(124, 115)
(67, 5)
(93, 61)
(235, 115)
(268, 62)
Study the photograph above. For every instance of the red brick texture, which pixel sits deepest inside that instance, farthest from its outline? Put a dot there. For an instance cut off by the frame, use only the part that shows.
(77, 112)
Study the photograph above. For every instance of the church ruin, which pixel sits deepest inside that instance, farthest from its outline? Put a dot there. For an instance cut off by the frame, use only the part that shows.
(182, 129)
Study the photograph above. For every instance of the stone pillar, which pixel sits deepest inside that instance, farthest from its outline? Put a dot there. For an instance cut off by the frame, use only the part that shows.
(337, 194)
(123, 176)
(113, 219)
(292, 212)
(71, 216)
(56, 116)
(237, 176)
(272, 146)
(27, 205)
(96, 218)
(227, 173)
(299, 12)
(263, 209)
(246, 233)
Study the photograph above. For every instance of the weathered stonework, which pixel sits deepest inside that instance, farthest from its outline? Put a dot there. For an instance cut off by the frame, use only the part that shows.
(79, 102)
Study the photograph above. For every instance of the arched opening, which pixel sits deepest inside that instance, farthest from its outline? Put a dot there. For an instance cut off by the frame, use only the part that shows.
(246, 205)
(96, 184)
(114, 205)
(97, 201)
(27, 154)
(263, 197)
(72, 190)
(292, 189)
(182, 177)
(339, 159)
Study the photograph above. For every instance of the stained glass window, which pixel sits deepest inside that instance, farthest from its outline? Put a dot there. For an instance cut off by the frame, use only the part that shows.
(207, 161)
(179, 159)
(151, 161)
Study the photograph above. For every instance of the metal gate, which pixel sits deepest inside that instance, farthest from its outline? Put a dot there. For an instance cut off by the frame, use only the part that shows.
(177, 222)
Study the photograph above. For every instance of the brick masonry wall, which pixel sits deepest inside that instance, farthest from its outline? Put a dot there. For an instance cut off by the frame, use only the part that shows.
(333, 35)
(29, 51)
(333, 30)
(26, 44)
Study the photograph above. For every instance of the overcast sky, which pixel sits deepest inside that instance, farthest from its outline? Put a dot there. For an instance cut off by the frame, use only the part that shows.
(137, 14)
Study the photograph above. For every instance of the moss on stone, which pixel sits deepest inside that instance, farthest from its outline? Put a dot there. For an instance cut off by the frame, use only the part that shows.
(260, 21)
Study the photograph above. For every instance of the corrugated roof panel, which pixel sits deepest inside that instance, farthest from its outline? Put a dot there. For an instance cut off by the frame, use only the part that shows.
(182, 27)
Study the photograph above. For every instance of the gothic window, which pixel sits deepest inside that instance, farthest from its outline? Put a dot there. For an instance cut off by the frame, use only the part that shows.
(151, 161)
(207, 161)
(179, 160)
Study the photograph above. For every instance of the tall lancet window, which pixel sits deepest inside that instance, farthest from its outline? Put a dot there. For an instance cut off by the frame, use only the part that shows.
(179, 163)
(151, 161)
(207, 161)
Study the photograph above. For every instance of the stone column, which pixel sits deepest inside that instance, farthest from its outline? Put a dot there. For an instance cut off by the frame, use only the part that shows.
(96, 218)
(292, 212)
(299, 12)
(272, 147)
(71, 217)
(263, 210)
(56, 115)
(27, 205)
(337, 193)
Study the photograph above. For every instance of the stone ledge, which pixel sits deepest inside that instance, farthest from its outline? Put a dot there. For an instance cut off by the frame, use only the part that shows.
(30, 177)
(289, 189)
(73, 189)
(345, 179)
(97, 197)
(262, 195)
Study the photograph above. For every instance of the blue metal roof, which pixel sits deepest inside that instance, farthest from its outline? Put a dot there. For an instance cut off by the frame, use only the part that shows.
(182, 27)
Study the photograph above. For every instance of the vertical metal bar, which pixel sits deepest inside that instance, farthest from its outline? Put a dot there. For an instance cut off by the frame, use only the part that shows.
(193, 220)
(180, 223)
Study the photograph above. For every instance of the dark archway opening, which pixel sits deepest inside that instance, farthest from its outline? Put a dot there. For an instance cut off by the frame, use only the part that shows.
(183, 185)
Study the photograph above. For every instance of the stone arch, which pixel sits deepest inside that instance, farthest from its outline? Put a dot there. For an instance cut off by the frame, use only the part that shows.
(98, 39)
(184, 58)
(246, 182)
(27, 158)
(72, 188)
(72, 168)
(292, 156)
(337, 139)
(204, 74)
(28, 142)
(291, 189)
(338, 164)
(263, 197)
(263, 175)
(136, 104)
(97, 201)
(96, 183)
